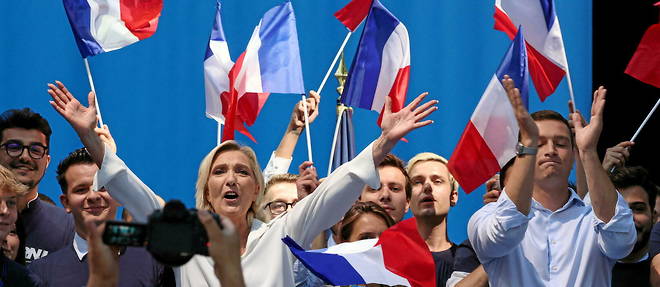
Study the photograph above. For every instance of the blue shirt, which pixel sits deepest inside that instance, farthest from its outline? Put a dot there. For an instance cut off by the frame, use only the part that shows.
(567, 247)
(48, 228)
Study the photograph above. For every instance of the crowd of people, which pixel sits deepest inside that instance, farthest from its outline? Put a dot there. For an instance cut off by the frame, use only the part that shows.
(535, 228)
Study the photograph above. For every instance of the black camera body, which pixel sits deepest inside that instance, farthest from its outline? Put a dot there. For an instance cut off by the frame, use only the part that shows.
(172, 235)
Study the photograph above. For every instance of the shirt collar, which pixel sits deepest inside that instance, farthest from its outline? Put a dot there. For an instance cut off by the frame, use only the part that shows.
(572, 199)
(35, 200)
(80, 246)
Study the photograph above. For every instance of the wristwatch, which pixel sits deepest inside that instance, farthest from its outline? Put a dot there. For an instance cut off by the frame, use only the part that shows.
(523, 150)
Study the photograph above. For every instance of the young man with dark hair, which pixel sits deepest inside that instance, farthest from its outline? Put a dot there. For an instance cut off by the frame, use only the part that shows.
(76, 174)
(540, 232)
(637, 189)
(24, 149)
(395, 189)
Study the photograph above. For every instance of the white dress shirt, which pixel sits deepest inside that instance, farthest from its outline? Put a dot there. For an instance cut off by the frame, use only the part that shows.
(266, 261)
(567, 247)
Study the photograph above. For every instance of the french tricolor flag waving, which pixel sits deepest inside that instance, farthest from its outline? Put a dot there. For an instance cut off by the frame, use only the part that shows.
(381, 66)
(399, 257)
(217, 64)
(489, 140)
(547, 57)
(106, 25)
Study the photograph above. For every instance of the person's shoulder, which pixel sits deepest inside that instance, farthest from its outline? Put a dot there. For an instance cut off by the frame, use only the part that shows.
(17, 275)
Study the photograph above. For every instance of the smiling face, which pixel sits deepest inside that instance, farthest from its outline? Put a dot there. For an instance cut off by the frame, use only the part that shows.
(638, 201)
(231, 187)
(432, 190)
(82, 201)
(391, 195)
(28, 171)
(11, 244)
(554, 159)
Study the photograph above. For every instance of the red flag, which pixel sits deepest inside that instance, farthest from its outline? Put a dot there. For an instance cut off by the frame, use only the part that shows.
(240, 108)
(353, 13)
(645, 63)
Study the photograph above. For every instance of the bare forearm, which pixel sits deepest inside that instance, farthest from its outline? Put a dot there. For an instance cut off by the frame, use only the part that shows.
(382, 146)
(580, 179)
(93, 144)
(101, 281)
(288, 142)
(478, 278)
(230, 274)
(601, 190)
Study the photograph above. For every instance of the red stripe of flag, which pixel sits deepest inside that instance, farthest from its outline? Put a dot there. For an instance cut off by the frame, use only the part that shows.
(353, 13)
(472, 162)
(141, 16)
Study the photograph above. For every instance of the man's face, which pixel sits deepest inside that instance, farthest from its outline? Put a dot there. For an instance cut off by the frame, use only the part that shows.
(80, 200)
(285, 192)
(392, 193)
(8, 212)
(638, 201)
(554, 159)
(432, 192)
(27, 170)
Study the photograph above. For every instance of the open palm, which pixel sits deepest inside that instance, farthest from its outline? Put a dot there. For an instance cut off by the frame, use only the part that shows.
(396, 125)
(79, 116)
(586, 136)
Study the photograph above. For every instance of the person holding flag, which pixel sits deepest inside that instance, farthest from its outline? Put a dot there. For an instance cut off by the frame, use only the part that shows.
(521, 240)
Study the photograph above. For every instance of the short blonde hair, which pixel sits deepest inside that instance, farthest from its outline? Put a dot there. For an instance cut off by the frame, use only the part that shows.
(201, 187)
(429, 156)
(280, 178)
(8, 182)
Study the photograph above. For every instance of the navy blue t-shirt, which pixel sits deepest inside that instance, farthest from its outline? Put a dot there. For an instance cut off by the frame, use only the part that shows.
(48, 228)
(444, 265)
(13, 274)
(466, 259)
(63, 268)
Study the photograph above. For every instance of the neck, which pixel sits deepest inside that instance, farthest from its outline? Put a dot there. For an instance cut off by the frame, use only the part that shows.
(551, 195)
(81, 230)
(31, 193)
(243, 230)
(433, 230)
(636, 256)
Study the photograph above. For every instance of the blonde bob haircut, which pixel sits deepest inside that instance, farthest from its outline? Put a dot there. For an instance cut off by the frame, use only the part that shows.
(429, 156)
(9, 183)
(201, 188)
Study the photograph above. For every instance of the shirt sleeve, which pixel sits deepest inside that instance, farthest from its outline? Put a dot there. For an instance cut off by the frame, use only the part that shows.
(327, 204)
(456, 276)
(497, 228)
(125, 187)
(276, 165)
(616, 238)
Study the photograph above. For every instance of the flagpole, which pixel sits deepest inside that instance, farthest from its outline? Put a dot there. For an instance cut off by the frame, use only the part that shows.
(91, 84)
(334, 138)
(570, 87)
(334, 61)
(307, 133)
(219, 140)
(639, 129)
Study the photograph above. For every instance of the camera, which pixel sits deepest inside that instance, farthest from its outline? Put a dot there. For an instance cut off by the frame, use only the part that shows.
(172, 235)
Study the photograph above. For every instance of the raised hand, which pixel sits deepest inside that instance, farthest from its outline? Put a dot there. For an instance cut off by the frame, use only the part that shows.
(298, 114)
(529, 132)
(617, 155)
(307, 179)
(79, 116)
(396, 125)
(106, 137)
(586, 136)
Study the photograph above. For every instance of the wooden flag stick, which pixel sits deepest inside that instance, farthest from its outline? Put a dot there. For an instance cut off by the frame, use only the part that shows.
(334, 61)
(307, 133)
(91, 84)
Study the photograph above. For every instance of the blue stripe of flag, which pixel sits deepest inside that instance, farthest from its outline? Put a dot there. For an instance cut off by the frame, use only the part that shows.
(79, 14)
(217, 33)
(514, 64)
(332, 268)
(362, 79)
(279, 55)
(548, 7)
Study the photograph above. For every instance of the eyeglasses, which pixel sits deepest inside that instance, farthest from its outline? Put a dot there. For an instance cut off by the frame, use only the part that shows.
(278, 207)
(15, 149)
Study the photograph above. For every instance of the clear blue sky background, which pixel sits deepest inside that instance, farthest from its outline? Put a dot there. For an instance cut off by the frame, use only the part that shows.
(152, 93)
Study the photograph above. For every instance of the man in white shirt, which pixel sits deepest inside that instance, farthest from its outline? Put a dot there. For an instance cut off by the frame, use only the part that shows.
(539, 232)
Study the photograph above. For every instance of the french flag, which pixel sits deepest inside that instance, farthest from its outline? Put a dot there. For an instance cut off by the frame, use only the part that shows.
(217, 64)
(399, 257)
(353, 13)
(547, 57)
(381, 66)
(489, 140)
(270, 64)
(106, 25)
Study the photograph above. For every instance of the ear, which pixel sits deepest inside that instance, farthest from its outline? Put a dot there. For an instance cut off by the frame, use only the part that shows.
(47, 161)
(407, 205)
(453, 197)
(65, 203)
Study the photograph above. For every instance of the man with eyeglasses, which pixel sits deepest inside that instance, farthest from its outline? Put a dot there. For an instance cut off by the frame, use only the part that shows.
(24, 142)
